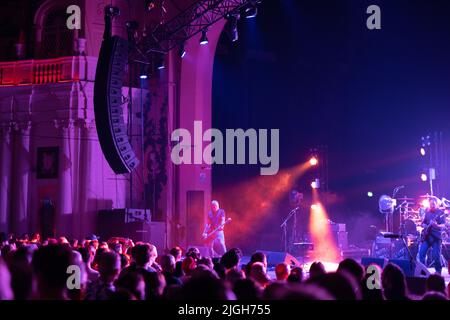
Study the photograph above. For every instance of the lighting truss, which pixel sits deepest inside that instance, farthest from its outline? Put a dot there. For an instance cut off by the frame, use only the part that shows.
(199, 16)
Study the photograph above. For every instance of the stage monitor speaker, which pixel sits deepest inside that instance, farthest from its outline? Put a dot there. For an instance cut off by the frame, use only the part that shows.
(406, 265)
(108, 106)
(367, 261)
(195, 217)
(274, 258)
(411, 268)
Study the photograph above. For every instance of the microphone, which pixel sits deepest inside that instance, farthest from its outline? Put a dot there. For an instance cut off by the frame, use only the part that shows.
(396, 190)
(392, 235)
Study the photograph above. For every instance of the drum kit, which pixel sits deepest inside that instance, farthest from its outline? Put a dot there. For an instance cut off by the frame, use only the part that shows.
(404, 217)
(412, 213)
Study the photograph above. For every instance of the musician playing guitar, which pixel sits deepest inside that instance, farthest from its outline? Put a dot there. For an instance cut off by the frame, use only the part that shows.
(434, 224)
(216, 241)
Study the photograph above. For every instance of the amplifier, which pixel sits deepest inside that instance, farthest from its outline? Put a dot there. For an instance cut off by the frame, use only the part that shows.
(112, 223)
(301, 249)
(341, 238)
(355, 253)
(381, 239)
(391, 249)
(338, 227)
(137, 215)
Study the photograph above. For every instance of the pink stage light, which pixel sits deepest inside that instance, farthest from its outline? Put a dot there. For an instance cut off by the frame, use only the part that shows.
(425, 203)
(313, 161)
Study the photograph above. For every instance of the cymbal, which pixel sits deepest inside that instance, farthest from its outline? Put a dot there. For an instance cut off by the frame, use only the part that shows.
(427, 196)
(405, 199)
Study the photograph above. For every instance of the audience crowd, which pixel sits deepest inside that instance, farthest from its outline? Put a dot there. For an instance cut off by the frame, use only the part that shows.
(119, 269)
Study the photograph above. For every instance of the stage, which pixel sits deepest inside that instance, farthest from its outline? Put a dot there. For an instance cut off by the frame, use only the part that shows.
(329, 267)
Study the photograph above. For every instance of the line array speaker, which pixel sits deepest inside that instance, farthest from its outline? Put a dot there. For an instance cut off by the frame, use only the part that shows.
(108, 106)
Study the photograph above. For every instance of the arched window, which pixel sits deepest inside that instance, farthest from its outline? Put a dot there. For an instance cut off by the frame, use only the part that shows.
(57, 39)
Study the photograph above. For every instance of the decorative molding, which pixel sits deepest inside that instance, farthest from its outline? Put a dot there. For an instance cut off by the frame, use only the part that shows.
(21, 126)
(89, 124)
(6, 128)
(74, 123)
(64, 123)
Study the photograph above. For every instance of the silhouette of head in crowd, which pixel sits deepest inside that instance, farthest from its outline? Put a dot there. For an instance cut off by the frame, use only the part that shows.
(117, 270)
(282, 271)
(50, 264)
(394, 283)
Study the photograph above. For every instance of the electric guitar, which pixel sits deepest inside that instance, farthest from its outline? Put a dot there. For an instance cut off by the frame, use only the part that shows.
(427, 231)
(212, 232)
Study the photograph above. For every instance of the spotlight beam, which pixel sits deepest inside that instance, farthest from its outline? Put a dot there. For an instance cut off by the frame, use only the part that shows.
(325, 248)
(253, 200)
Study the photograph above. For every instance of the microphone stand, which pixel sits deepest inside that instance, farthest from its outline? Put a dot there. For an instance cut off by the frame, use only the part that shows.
(284, 226)
(390, 222)
(413, 262)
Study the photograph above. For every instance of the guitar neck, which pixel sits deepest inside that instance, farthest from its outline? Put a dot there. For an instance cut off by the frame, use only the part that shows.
(218, 228)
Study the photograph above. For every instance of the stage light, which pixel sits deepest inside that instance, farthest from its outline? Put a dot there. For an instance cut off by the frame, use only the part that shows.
(426, 141)
(315, 184)
(251, 11)
(143, 74)
(424, 177)
(150, 5)
(182, 52)
(425, 203)
(204, 39)
(422, 151)
(160, 63)
(232, 27)
(314, 206)
(313, 161)
(370, 194)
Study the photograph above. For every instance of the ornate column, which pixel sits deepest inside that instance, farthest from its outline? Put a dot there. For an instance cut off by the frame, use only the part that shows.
(89, 171)
(80, 177)
(5, 177)
(22, 166)
(64, 203)
(75, 138)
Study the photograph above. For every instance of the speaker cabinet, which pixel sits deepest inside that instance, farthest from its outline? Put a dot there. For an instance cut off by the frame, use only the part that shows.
(407, 266)
(112, 223)
(367, 261)
(108, 106)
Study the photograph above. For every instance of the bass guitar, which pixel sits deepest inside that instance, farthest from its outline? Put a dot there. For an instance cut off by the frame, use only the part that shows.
(427, 231)
(208, 235)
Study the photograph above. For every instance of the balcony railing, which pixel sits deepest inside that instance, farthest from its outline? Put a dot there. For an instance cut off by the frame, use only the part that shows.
(34, 72)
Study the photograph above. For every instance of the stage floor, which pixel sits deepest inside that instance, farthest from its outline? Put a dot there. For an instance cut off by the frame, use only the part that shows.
(332, 267)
